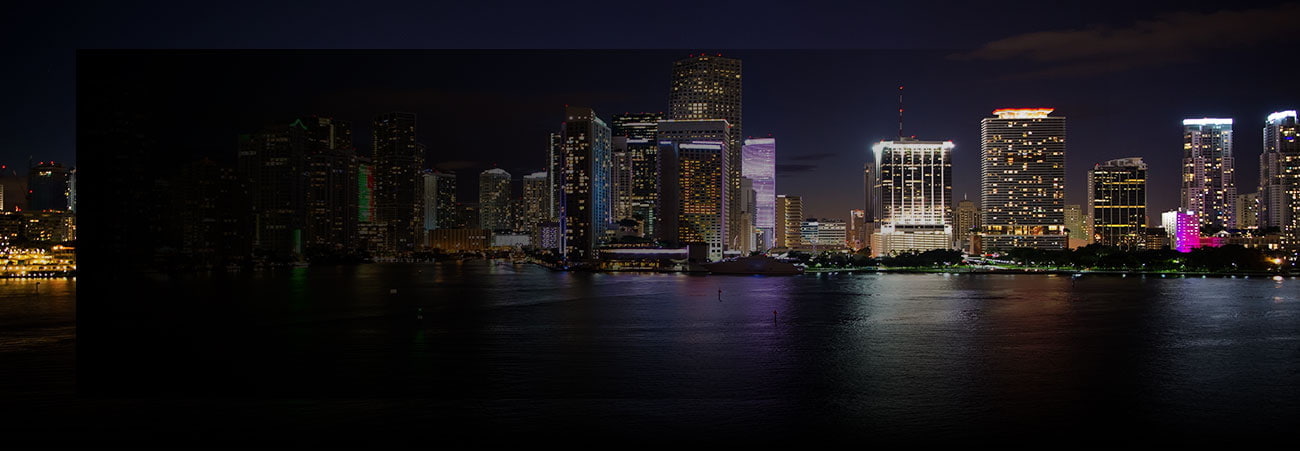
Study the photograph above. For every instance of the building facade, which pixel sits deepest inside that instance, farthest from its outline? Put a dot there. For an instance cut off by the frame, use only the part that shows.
(1117, 202)
(758, 163)
(398, 195)
(708, 87)
(1022, 178)
(913, 195)
(641, 132)
(693, 184)
(1208, 183)
(585, 187)
(789, 218)
(1279, 176)
(494, 199)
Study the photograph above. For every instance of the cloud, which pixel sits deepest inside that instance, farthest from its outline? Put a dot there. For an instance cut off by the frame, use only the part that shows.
(813, 156)
(1171, 38)
(793, 168)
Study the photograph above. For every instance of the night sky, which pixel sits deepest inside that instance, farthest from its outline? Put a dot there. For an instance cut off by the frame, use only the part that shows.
(1124, 77)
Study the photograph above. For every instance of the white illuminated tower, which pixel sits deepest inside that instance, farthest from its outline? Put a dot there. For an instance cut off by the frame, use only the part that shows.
(1209, 186)
(1022, 177)
(758, 163)
(1279, 175)
(913, 190)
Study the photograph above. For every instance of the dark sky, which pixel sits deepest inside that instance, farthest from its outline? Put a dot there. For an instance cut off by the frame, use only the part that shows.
(1124, 75)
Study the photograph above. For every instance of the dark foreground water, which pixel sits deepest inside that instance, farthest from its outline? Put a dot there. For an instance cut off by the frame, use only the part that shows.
(522, 355)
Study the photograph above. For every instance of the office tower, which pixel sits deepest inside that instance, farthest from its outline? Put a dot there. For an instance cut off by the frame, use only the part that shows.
(554, 165)
(440, 200)
(913, 191)
(706, 87)
(47, 185)
(1209, 186)
(1182, 228)
(535, 197)
(855, 237)
(1117, 202)
(331, 184)
(13, 187)
(789, 217)
(1023, 180)
(693, 185)
(746, 241)
(641, 131)
(758, 163)
(1279, 176)
(966, 222)
(831, 233)
(1248, 211)
(621, 179)
(213, 213)
(1076, 224)
(72, 191)
(494, 199)
(584, 183)
(808, 233)
(398, 161)
(273, 165)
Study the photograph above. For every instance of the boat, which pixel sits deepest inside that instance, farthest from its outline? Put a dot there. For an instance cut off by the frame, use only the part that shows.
(754, 265)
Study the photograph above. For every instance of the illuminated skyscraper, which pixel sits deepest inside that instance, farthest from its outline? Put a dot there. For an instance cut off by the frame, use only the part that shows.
(1279, 176)
(1022, 177)
(398, 195)
(856, 237)
(1182, 228)
(331, 184)
(554, 165)
(789, 218)
(706, 87)
(535, 196)
(273, 165)
(1077, 224)
(1117, 202)
(641, 130)
(758, 163)
(621, 179)
(1209, 186)
(584, 180)
(693, 184)
(914, 193)
(966, 222)
(1248, 211)
(494, 199)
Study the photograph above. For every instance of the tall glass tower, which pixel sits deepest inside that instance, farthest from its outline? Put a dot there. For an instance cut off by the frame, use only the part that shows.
(1209, 184)
(1117, 202)
(758, 163)
(1022, 153)
(584, 183)
(706, 87)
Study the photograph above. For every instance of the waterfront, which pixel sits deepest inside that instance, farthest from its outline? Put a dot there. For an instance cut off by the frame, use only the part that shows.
(518, 353)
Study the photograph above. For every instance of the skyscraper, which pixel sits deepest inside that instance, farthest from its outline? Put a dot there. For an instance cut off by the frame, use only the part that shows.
(398, 195)
(758, 163)
(1117, 202)
(494, 199)
(331, 184)
(273, 165)
(1279, 176)
(1209, 188)
(47, 185)
(641, 130)
(856, 237)
(535, 196)
(914, 193)
(745, 242)
(621, 179)
(709, 87)
(554, 167)
(966, 222)
(789, 217)
(693, 185)
(1078, 225)
(586, 194)
(1248, 211)
(1023, 180)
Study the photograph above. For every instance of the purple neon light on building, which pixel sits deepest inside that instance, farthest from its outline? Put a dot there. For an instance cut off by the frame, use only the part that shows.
(758, 163)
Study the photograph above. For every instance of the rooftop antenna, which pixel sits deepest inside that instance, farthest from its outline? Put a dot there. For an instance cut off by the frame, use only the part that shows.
(900, 113)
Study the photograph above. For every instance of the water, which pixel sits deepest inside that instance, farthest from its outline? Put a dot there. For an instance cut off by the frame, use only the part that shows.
(511, 354)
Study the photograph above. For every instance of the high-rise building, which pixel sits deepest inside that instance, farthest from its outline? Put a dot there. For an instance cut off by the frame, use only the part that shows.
(1023, 180)
(746, 242)
(758, 163)
(1117, 202)
(554, 167)
(1077, 224)
(398, 195)
(494, 199)
(584, 183)
(620, 178)
(856, 237)
(693, 186)
(706, 87)
(1279, 176)
(1182, 228)
(789, 217)
(966, 222)
(331, 184)
(72, 191)
(47, 185)
(641, 131)
(1248, 211)
(273, 165)
(913, 191)
(831, 233)
(535, 196)
(1209, 187)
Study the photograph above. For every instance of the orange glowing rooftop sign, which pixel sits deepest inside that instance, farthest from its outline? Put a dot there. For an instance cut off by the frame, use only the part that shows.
(1022, 113)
